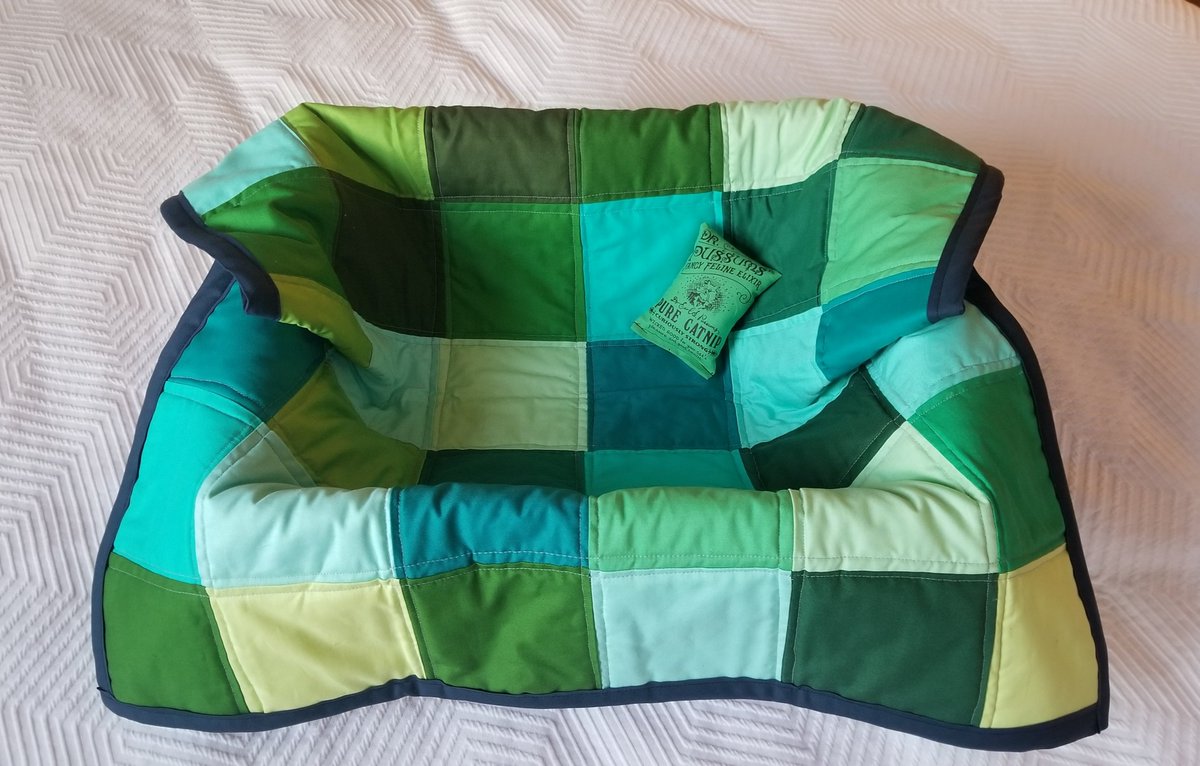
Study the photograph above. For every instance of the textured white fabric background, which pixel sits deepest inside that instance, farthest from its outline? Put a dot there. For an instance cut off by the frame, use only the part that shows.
(1091, 108)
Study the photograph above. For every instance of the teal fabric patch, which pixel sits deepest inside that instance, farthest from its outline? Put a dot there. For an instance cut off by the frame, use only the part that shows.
(272, 150)
(712, 291)
(641, 398)
(188, 436)
(273, 359)
(777, 385)
(212, 400)
(450, 526)
(673, 625)
(608, 470)
(632, 249)
(857, 325)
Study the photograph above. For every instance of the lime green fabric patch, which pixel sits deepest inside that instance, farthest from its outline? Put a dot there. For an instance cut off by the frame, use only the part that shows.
(712, 292)
(295, 645)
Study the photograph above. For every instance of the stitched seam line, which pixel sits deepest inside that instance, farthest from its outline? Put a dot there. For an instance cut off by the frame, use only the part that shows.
(769, 561)
(261, 187)
(890, 159)
(1001, 617)
(854, 160)
(914, 405)
(871, 443)
(119, 567)
(419, 629)
(438, 579)
(938, 459)
(226, 666)
(584, 584)
(898, 268)
(890, 576)
(984, 657)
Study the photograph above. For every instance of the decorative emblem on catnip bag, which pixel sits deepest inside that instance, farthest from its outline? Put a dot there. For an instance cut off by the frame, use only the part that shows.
(711, 293)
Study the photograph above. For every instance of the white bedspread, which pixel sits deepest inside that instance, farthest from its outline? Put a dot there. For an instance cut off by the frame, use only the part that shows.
(1090, 107)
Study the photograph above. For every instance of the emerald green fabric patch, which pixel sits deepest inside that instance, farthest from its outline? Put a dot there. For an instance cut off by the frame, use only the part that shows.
(515, 271)
(163, 646)
(517, 628)
(713, 290)
(1000, 456)
(879, 133)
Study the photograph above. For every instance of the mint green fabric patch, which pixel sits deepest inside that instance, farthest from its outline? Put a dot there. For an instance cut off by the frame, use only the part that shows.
(697, 312)
(679, 624)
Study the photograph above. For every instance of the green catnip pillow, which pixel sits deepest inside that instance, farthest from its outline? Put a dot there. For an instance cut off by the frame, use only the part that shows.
(713, 290)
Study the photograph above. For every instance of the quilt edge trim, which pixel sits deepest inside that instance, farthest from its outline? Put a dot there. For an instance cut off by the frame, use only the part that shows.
(956, 266)
(260, 296)
(1060, 731)
(212, 291)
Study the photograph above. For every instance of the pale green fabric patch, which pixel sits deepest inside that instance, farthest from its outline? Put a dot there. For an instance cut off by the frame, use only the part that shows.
(711, 293)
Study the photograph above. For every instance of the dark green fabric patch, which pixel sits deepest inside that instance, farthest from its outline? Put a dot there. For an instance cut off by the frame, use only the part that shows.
(1002, 456)
(785, 229)
(388, 258)
(163, 645)
(649, 152)
(519, 629)
(543, 468)
(877, 132)
(913, 642)
(830, 450)
(482, 152)
(857, 325)
(515, 271)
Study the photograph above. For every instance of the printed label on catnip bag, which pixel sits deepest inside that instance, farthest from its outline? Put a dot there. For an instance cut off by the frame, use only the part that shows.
(712, 292)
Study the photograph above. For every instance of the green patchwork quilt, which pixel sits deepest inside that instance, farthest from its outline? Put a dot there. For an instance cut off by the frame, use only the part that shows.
(404, 441)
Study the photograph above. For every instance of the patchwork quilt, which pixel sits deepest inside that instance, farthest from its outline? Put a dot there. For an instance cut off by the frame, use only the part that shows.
(404, 441)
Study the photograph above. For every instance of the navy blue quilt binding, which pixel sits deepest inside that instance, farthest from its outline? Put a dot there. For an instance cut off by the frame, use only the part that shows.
(957, 264)
(212, 290)
(260, 296)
